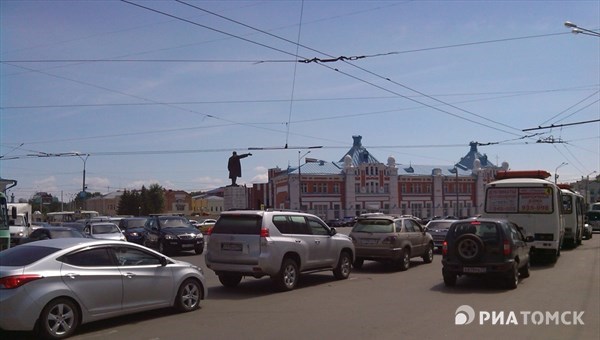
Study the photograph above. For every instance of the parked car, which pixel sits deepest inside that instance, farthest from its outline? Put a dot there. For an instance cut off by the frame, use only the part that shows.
(46, 233)
(133, 228)
(486, 247)
(169, 233)
(279, 244)
(438, 229)
(390, 239)
(53, 286)
(104, 230)
(205, 225)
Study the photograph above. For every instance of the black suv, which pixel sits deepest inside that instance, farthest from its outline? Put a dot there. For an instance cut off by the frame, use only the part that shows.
(489, 247)
(172, 233)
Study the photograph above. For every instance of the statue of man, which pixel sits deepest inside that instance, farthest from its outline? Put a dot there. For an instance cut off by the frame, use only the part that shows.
(235, 168)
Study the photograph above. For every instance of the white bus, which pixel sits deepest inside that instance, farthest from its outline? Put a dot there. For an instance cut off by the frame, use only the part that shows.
(533, 203)
(70, 216)
(573, 211)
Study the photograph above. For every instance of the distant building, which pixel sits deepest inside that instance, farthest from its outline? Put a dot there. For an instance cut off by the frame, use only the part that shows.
(359, 183)
(178, 202)
(105, 205)
(207, 205)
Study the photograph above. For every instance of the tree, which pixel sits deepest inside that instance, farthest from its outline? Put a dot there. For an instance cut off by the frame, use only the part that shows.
(155, 199)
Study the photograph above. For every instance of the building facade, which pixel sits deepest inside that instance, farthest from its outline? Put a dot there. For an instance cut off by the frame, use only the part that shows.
(359, 183)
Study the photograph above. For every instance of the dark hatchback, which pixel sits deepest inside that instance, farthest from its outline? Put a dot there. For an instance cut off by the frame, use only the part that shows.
(172, 233)
(485, 247)
(133, 228)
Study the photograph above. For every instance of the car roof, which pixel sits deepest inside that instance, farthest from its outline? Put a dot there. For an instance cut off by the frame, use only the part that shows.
(64, 243)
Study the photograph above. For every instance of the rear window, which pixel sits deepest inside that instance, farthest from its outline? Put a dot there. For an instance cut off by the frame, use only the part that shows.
(593, 215)
(439, 225)
(485, 230)
(238, 224)
(24, 255)
(374, 226)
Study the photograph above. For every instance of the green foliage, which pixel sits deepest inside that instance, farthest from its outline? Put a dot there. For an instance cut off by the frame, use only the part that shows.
(143, 202)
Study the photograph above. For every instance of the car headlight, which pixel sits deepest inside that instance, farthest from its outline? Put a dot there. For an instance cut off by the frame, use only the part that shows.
(199, 235)
(133, 234)
(170, 237)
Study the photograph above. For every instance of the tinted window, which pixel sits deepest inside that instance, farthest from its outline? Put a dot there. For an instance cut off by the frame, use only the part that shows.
(485, 230)
(439, 225)
(173, 222)
(24, 255)
(317, 228)
(299, 225)
(127, 256)
(408, 226)
(97, 257)
(374, 226)
(238, 224)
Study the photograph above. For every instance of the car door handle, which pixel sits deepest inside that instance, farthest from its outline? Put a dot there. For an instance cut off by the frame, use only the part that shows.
(298, 241)
(72, 275)
(129, 275)
(317, 242)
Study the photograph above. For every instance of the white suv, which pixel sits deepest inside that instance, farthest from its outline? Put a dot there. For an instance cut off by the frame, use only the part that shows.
(280, 244)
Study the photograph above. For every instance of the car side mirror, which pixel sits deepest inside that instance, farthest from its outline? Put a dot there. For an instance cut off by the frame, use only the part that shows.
(529, 239)
(163, 261)
(332, 232)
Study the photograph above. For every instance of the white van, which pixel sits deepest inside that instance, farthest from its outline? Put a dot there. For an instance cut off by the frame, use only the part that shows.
(531, 202)
(573, 211)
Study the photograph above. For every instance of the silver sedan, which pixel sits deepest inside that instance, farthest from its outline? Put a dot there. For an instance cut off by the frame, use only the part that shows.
(59, 284)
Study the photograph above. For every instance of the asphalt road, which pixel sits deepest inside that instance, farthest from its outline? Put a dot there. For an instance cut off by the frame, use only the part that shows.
(558, 301)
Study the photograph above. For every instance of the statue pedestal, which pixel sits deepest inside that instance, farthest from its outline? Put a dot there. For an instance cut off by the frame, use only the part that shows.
(235, 198)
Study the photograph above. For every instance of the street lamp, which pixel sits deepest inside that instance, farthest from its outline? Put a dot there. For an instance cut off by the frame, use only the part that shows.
(587, 192)
(83, 186)
(556, 171)
(576, 29)
(300, 178)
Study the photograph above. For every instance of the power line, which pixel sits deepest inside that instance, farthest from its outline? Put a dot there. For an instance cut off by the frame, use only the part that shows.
(561, 125)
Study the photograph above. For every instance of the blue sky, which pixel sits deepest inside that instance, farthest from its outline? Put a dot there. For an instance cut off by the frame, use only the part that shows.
(164, 94)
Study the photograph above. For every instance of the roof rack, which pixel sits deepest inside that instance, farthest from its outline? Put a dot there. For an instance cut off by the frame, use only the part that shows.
(506, 174)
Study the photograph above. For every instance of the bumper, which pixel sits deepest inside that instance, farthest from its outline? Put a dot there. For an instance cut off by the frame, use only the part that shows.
(183, 245)
(379, 253)
(474, 269)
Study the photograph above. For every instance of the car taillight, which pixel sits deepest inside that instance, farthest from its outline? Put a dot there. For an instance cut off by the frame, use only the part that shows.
(16, 281)
(506, 249)
(264, 232)
(445, 248)
(389, 240)
(209, 231)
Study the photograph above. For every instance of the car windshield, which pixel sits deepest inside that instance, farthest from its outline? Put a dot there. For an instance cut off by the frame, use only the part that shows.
(24, 255)
(137, 223)
(374, 226)
(104, 229)
(170, 222)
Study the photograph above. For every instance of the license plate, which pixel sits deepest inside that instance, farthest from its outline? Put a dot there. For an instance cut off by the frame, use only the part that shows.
(475, 270)
(231, 246)
(187, 246)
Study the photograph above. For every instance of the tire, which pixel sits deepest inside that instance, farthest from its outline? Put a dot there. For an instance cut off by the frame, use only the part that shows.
(59, 319)
(428, 256)
(287, 278)
(344, 266)
(230, 280)
(449, 279)
(512, 277)
(469, 248)
(358, 263)
(199, 250)
(524, 271)
(404, 261)
(188, 296)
